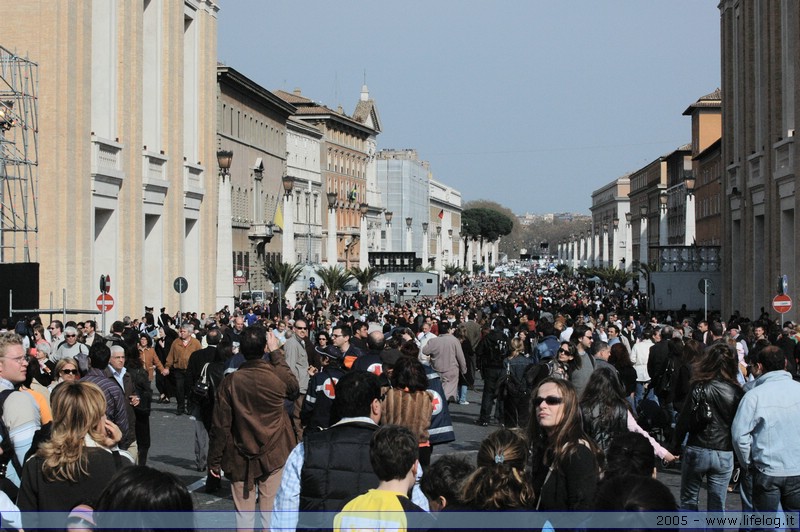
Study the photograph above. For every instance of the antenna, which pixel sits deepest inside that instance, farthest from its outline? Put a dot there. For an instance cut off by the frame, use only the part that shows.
(365, 76)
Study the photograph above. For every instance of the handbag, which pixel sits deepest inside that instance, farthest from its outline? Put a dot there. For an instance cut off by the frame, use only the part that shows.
(202, 388)
(701, 414)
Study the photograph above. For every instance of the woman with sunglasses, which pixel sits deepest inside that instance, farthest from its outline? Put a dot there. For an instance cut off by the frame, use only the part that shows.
(564, 460)
(565, 361)
(66, 370)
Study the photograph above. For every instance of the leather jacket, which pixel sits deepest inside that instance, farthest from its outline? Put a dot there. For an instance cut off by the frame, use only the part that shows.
(723, 397)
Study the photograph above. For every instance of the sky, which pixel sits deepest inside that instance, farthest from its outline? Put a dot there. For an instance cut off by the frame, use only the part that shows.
(533, 104)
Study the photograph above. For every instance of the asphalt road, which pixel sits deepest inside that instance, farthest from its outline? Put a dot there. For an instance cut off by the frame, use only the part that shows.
(173, 451)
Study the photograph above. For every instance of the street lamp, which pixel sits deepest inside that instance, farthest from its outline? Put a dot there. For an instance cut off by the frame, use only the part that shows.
(425, 244)
(224, 281)
(388, 216)
(689, 182)
(224, 159)
(643, 210)
(628, 217)
(663, 198)
(332, 253)
(363, 251)
(409, 245)
(615, 223)
(288, 184)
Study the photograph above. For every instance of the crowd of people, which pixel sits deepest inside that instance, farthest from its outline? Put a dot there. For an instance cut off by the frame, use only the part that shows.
(338, 404)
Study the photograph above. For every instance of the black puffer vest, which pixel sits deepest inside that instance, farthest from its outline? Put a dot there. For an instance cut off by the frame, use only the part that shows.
(336, 467)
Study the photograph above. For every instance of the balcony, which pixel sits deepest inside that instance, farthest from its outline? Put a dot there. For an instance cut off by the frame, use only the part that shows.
(261, 232)
(784, 157)
(154, 177)
(193, 189)
(107, 174)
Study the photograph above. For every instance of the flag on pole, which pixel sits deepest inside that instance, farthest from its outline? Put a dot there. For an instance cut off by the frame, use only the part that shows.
(278, 217)
(441, 214)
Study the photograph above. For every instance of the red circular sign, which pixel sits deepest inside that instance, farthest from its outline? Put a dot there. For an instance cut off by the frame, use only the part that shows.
(782, 303)
(104, 300)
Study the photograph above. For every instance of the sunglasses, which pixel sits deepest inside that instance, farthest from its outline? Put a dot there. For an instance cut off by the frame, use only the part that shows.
(551, 400)
(300, 328)
(69, 336)
(69, 371)
(565, 351)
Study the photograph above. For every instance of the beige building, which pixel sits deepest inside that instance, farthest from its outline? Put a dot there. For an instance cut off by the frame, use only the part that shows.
(252, 122)
(611, 240)
(127, 174)
(444, 231)
(760, 46)
(347, 165)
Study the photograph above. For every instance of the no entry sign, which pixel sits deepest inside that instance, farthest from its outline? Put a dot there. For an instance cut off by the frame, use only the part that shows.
(105, 300)
(782, 303)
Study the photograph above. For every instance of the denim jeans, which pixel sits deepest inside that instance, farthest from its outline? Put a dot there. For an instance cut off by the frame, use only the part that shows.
(769, 492)
(462, 395)
(716, 466)
(640, 394)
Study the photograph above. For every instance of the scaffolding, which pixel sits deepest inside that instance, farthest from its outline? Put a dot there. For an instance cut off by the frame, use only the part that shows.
(19, 159)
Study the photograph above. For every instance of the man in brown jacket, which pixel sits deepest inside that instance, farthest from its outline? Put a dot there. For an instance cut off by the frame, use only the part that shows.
(251, 434)
(178, 360)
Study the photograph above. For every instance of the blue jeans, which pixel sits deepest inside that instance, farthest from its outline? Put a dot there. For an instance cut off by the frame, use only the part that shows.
(640, 394)
(769, 492)
(716, 466)
(462, 394)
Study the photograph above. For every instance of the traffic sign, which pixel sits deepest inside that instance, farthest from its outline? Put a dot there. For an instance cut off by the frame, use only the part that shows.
(180, 285)
(104, 302)
(782, 303)
(239, 280)
(704, 285)
(105, 283)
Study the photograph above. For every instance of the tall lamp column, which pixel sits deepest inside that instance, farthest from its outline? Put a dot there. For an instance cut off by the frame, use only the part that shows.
(388, 216)
(224, 288)
(332, 255)
(690, 234)
(363, 251)
(288, 248)
(408, 234)
(425, 245)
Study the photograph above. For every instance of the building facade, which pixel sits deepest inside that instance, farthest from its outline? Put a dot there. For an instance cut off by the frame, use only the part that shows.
(760, 44)
(609, 205)
(252, 123)
(404, 178)
(347, 150)
(444, 232)
(128, 185)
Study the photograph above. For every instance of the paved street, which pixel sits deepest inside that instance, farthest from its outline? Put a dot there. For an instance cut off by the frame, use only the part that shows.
(173, 451)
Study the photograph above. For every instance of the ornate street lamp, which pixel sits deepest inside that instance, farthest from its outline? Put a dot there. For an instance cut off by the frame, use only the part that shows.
(288, 184)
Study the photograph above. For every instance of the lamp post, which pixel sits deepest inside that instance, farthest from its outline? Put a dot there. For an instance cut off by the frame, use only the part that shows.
(363, 252)
(224, 288)
(333, 253)
(604, 263)
(690, 233)
(643, 245)
(388, 217)
(289, 254)
(450, 244)
(408, 233)
(663, 199)
(425, 245)
(628, 256)
(613, 243)
(308, 224)
(438, 262)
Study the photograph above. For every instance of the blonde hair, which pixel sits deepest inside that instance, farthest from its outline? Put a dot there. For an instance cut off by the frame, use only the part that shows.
(8, 339)
(517, 347)
(78, 408)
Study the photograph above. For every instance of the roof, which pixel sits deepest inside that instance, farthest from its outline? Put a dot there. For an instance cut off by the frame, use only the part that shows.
(712, 100)
(230, 77)
(307, 108)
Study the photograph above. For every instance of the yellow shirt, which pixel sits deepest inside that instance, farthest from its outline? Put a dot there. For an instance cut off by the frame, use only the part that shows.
(375, 510)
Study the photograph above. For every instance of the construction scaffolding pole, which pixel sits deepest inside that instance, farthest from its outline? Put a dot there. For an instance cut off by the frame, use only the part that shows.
(19, 158)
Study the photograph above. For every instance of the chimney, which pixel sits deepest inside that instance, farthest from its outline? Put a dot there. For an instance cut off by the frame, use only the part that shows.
(297, 91)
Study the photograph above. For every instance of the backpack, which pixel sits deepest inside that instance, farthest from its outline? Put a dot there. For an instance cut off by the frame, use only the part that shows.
(667, 379)
(9, 456)
(202, 387)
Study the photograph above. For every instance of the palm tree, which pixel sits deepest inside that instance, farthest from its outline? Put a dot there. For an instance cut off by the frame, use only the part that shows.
(284, 273)
(452, 270)
(365, 276)
(334, 277)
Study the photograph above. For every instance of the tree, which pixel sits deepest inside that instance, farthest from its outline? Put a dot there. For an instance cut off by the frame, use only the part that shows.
(485, 225)
(334, 277)
(365, 276)
(284, 273)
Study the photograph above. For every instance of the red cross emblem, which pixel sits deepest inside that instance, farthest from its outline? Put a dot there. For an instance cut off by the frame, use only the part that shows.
(376, 368)
(329, 387)
(437, 402)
